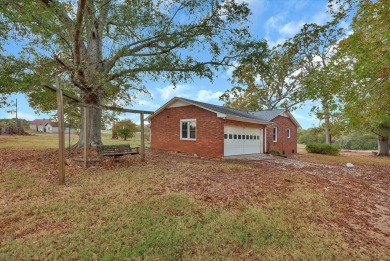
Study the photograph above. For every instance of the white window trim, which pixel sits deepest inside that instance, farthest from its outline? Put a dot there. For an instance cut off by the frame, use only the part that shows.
(276, 134)
(196, 132)
(288, 133)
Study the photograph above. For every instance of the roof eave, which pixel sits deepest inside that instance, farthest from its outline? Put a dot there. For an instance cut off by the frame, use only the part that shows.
(235, 118)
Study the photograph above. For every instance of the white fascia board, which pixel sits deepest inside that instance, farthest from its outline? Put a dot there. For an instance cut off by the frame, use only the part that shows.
(234, 118)
(221, 115)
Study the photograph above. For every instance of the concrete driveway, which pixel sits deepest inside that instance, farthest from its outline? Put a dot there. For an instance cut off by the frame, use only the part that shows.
(256, 156)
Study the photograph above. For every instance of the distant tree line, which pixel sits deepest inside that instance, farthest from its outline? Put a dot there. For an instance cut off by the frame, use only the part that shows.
(353, 140)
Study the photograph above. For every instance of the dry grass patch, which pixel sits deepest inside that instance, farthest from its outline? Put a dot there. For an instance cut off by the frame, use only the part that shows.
(178, 208)
(125, 214)
(345, 157)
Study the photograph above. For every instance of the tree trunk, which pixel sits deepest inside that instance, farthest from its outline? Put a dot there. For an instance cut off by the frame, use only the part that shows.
(383, 146)
(94, 122)
(328, 139)
(114, 133)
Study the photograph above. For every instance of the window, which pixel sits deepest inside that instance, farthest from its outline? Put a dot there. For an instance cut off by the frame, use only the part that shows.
(188, 129)
(275, 134)
(225, 136)
(230, 136)
(288, 133)
(235, 136)
(243, 137)
(239, 136)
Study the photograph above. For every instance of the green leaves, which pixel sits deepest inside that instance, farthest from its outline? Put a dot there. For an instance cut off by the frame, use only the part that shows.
(267, 79)
(363, 58)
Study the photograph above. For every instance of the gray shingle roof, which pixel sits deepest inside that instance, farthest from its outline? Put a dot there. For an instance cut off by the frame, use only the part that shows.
(268, 115)
(227, 111)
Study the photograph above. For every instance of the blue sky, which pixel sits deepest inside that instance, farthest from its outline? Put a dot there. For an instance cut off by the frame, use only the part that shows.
(272, 20)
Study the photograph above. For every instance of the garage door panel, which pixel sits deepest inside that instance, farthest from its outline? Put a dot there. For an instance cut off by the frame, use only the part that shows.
(241, 140)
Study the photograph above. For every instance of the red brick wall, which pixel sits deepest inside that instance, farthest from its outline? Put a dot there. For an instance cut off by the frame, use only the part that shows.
(165, 131)
(283, 144)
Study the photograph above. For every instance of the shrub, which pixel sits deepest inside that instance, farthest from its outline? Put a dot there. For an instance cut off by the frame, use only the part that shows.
(323, 149)
(276, 153)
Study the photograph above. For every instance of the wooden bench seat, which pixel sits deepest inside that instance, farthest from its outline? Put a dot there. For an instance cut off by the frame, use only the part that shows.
(116, 150)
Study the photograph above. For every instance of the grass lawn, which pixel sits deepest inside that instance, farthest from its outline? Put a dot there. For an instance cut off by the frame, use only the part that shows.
(172, 207)
(344, 157)
(50, 140)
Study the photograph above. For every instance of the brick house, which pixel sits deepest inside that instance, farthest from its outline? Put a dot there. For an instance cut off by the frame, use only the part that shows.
(215, 131)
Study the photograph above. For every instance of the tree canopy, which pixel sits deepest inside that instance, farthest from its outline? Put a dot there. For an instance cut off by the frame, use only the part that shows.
(267, 79)
(125, 129)
(106, 49)
(363, 62)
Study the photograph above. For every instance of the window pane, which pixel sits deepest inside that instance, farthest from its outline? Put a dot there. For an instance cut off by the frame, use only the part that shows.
(184, 130)
(239, 136)
(192, 134)
(235, 136)
(225, 136)
(230, 136)
(243, 137)
(275, 134)
(247, 137)
(192, 130)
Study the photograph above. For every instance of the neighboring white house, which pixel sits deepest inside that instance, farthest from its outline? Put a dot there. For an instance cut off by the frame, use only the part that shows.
(53, 128)
(42, 125)
(39, 125)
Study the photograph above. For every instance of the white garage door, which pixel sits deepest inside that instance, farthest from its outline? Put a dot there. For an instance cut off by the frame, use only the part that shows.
(242, 140)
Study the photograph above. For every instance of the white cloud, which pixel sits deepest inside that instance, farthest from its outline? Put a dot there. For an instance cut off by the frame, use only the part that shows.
(147, 103)
(170, 91)
(21, 115)
(321, 18)
(185, 91)
(291, 28)
(273, 22)
(298, 4)
(206, 95)
(305, 118)
(274, 43)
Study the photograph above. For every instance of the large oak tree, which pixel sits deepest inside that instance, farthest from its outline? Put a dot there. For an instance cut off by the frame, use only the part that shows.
(106, 49)
(363, 64)
(267, 79)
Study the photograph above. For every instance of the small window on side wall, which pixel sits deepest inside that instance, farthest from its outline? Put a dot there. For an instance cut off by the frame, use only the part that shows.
(188, 129)
(275, 134)
(288, 133)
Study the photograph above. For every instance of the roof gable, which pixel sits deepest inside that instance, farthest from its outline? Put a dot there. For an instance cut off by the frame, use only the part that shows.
(272, 114)
(268, 115)
(222, 112)
(40, 122)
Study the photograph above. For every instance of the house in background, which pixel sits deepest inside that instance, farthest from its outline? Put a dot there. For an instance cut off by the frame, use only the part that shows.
(39, 125)
(53, 127)
(215, 131)
(42, 125)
